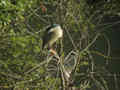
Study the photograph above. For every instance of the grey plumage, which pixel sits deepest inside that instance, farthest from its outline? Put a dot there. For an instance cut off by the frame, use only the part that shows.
(51, 35)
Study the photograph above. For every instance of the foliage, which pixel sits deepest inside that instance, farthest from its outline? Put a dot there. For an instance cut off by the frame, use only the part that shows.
(23, 63)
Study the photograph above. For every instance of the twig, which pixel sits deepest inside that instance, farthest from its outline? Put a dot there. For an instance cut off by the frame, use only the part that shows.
(90, 44)
(11, 76)
(71, 52)
(64, 77)
(108, 25)
(85, 49)
(70, 37)
(101, 54)
(109, 46)
(92, 61)
(98, 84)
(38, 66)
(116, 82)
(62, 72)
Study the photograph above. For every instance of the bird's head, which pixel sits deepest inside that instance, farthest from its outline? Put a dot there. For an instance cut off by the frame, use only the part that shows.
(53, 27)
(56, 29)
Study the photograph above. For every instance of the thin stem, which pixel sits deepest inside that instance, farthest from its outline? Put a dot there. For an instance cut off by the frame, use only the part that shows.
(38, 66)
(90, 44)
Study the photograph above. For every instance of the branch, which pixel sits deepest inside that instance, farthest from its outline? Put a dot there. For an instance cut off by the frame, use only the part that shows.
(38, 66)
(90, 44)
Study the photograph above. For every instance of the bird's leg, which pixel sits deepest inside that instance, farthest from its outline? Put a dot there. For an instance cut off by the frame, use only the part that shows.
(53, 52)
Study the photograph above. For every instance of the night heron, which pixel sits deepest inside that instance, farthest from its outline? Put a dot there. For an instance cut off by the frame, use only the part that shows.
(52, 34)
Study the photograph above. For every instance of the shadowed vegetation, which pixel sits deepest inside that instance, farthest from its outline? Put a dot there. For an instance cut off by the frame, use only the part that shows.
(86, 56)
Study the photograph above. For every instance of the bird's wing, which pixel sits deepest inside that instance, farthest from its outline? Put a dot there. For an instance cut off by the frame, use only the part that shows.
(46, 38)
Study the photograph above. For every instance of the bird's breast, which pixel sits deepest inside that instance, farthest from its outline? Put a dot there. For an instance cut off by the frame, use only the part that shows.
(59, 33)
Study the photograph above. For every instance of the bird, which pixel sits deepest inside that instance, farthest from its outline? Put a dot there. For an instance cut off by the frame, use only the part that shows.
(53, 33)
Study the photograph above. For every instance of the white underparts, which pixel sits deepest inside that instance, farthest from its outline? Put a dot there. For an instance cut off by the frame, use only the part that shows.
(58, 31)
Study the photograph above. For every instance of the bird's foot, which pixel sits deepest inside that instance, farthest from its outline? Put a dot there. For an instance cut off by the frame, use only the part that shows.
(53, 52)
